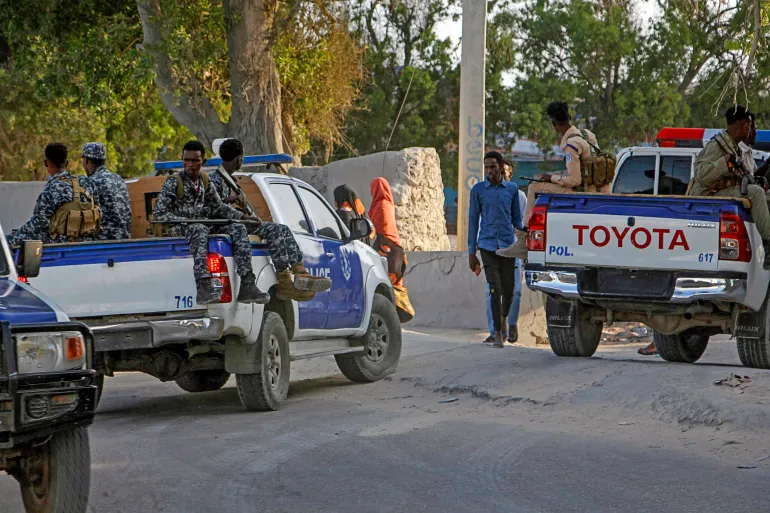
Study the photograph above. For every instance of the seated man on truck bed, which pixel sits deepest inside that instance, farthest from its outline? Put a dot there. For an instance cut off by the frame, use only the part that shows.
(719, 170)
(60, 214)
(200, 200)
(284, 250)
(576, 144)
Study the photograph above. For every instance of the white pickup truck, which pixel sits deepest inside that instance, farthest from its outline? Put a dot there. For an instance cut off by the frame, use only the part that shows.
(138, 297)
(688, 267)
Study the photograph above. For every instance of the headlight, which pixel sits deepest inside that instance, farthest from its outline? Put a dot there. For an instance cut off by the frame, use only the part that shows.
(39, 353)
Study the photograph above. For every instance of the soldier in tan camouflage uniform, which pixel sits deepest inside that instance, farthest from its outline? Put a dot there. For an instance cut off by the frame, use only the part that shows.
(575, 143)
(719, 169)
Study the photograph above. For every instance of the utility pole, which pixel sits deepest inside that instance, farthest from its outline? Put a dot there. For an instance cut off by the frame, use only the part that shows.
(472, 71)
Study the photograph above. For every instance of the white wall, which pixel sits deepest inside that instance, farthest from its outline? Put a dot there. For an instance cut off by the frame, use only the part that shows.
(17, 201)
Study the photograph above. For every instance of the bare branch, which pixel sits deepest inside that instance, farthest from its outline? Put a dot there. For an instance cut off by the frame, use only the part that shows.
(757, 34)
(188, 104)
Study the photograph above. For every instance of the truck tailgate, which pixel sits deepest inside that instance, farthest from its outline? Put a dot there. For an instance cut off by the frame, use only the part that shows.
(123, 277)
(634, 232)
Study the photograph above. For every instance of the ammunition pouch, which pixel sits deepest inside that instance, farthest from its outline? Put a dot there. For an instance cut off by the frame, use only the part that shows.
(724, 183)
(76, 218)
(598, 168)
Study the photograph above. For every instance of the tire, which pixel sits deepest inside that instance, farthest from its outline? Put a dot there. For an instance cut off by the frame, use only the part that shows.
(754, 352)
(203, 381)
(383, 342)
(63, 479)
(267, 389)
(685, 347)
(581, 340)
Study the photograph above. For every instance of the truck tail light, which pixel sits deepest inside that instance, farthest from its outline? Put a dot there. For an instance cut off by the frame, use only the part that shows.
(536, 234)
(218, 269)
(734, 243)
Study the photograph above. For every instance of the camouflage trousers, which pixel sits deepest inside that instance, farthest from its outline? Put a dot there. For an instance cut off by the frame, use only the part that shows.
(198, 238)
(284, 250)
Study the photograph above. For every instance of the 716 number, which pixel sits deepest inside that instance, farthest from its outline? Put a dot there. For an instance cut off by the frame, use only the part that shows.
(184, 301)
(706, 257)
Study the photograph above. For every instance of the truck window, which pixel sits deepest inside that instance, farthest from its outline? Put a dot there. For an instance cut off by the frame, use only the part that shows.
(288, 204)
(325, 221)
(674, 174)
(636, 176)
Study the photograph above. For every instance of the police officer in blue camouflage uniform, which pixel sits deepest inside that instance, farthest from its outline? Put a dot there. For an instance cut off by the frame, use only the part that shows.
(197, 202)
(284, 251)
(110, 192)
(57, 194)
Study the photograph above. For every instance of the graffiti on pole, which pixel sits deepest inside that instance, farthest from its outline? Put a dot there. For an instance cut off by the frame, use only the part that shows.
(474, 153)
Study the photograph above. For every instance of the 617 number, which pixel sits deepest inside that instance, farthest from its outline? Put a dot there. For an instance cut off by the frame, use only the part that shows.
(184, 301)
(706, 257)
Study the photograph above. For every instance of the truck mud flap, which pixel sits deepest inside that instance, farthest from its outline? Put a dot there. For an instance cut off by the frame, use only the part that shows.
(751, 324)
(561, 314)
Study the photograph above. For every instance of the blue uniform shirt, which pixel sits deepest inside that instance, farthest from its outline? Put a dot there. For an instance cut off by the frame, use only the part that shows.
(497, 209)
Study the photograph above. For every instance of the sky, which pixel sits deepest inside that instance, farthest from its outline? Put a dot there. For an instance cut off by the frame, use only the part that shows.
(453, 29)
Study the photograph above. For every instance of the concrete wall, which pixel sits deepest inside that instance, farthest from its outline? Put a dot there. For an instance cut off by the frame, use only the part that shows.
(17, 201)
(414, 175)
(446, 294)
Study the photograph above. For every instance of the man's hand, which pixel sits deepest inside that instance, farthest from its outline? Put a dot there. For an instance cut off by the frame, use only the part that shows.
(232, 198)
(473, 262)
(252, 218)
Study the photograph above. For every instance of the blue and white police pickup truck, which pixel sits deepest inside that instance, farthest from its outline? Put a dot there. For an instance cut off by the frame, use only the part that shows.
(138, 297)
(47, 394)
(688, 267)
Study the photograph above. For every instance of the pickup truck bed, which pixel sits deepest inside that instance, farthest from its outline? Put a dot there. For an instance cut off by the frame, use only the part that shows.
(139, 298)
(683, 265)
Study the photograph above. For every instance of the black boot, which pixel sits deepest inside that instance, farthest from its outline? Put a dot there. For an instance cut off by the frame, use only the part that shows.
(766, 263)
(207, 294)
(249, 293)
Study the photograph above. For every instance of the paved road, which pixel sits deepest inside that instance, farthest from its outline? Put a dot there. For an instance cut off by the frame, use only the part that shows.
(394, 447)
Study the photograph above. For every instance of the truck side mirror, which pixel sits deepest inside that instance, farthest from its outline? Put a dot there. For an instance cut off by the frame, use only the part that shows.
(360, 228)
(30, 256)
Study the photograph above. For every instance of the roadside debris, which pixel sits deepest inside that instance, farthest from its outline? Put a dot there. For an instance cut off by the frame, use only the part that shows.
(626, 332)
(734, 381)
(747, 466)
(763, 458)
(450, 400)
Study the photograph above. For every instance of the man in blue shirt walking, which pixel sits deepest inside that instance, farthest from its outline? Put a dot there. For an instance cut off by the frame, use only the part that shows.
(494, 212)
(513, 315)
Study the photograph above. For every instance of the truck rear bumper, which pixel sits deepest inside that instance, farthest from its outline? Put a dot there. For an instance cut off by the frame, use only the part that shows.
(686, 289)
(155, 333)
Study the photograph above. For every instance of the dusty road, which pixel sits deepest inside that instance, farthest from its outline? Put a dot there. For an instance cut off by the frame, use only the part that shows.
(529, 432)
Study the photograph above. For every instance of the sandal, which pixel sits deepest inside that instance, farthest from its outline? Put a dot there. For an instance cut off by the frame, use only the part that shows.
(650, 350)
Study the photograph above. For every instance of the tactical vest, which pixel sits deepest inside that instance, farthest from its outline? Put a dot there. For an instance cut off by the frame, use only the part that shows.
(162, 230)
(598, 168)
(76, 218)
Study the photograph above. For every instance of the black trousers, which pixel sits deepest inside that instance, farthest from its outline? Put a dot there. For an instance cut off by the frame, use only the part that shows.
(501, 276)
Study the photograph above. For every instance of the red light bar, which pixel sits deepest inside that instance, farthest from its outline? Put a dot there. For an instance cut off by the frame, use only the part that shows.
(669, 137)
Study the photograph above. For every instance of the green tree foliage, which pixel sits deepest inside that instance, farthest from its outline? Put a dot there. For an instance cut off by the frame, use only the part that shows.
(77, 71)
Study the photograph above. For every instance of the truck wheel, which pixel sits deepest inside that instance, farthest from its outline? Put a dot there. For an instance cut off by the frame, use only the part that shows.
(203, 381)
(266, 390)
(754, 352)
(685, 347)
(383, 343)
(56, 476)
(581, 339)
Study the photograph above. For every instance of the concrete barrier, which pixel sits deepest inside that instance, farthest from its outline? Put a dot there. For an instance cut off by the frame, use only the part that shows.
(17, 201)
(446, 294)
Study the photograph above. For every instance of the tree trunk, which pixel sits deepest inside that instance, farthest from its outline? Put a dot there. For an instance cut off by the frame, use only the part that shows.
(757, 35)
(254, 81)
(188, 105)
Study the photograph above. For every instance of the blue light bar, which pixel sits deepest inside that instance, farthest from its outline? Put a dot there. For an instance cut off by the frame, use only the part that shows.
(278, 158)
